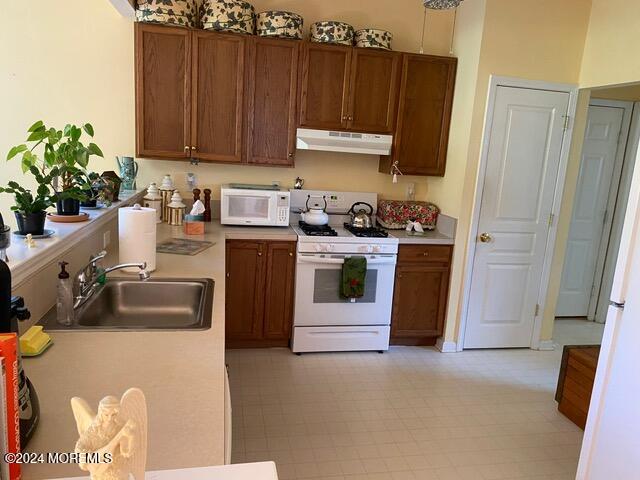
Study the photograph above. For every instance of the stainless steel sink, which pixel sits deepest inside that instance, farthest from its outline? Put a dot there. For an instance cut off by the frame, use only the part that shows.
(154, 304)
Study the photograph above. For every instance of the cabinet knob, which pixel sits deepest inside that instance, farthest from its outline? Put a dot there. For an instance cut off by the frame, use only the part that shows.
(228, 275)
(259, 254)
(186, 148)
(193, 148)
(344, 117)
(291, 254)
(290, 155)
(425, 254)
(350, 118)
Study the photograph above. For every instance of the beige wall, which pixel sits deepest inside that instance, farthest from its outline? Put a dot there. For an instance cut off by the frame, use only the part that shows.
(95, 84)
(610, 53)
(520, 39)
(629, 93)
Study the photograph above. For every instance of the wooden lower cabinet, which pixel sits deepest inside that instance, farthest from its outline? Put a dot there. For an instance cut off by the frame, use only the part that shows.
(259, 293)
(420, 294)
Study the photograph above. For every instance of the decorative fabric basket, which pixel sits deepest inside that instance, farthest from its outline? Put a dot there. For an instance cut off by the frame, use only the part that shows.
(372, 38)
(172, 12)
(338, 33)
(235, 16)
(394, 214)
(280, 24)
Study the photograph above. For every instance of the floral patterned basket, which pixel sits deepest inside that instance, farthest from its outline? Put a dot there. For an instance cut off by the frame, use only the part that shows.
(173, 12)
(280, 24)
(394, 214)
(235, 16)
(338, 33)
(372, 38)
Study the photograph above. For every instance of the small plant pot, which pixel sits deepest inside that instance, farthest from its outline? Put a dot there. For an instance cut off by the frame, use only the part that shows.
(68, 206)
(92, 201)
(32, 223)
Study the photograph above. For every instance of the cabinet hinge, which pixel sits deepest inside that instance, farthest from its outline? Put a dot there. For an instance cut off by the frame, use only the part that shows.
(537, 310)
(551, 218)
(604, 217)
(567, 122)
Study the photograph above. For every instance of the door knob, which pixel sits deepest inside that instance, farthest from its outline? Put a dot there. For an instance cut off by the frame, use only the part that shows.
(485, 237)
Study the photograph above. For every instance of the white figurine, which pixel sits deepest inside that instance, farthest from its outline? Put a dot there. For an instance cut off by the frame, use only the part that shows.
(31, 243)
(118, 430)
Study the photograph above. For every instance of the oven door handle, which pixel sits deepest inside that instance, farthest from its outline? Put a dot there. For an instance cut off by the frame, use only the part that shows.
(373, 260)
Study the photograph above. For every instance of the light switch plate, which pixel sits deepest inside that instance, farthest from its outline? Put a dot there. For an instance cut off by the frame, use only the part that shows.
(106, 239)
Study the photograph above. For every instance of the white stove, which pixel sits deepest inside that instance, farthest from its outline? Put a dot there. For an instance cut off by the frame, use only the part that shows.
(323, 320)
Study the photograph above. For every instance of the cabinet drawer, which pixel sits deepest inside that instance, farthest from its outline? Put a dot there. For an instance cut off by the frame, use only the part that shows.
(424, 253)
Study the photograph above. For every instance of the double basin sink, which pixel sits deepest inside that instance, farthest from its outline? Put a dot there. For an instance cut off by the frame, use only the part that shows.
(153, 304)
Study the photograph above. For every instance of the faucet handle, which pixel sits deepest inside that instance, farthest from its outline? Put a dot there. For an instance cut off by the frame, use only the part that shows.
(98, 256)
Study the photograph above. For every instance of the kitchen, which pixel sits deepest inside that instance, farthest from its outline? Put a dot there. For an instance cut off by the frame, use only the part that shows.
(284, 264)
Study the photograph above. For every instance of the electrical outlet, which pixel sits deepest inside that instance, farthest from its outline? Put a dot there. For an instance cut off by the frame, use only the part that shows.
(106, 239)
(411, 191)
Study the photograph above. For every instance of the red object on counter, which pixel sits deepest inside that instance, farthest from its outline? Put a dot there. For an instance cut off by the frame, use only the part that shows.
(9, 351)
(394, 214)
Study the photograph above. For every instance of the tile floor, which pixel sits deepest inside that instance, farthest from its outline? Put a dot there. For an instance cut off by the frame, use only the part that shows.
(412, 413)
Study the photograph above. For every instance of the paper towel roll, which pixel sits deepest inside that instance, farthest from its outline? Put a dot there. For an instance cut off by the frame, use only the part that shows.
(137, 236)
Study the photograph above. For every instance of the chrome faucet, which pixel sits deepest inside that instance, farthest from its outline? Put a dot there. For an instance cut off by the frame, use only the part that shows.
(86, 280)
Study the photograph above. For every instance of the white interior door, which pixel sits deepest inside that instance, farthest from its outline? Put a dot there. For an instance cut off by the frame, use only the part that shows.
(588, 229)
(524, 152)
(611, 439)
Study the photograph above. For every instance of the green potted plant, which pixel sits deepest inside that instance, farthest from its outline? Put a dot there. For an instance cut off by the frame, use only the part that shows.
(29, 207)
(96, 187)
(62, 149)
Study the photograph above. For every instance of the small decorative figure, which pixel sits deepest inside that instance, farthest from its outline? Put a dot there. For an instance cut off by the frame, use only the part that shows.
(119, 430)
(207, 204)
(196, 195)
(31, 243)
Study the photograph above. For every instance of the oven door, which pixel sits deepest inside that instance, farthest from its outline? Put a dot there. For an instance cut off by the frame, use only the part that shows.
(248, 208)
(318, 300)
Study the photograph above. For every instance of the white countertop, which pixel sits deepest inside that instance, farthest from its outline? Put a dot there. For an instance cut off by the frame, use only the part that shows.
(428, 237)
(25, 261)
(181, 373)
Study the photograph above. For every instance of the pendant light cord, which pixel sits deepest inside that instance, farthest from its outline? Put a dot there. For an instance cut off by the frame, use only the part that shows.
(424, 26)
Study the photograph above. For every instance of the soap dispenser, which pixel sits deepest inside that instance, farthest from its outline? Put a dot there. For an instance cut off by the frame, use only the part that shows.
(65, 297)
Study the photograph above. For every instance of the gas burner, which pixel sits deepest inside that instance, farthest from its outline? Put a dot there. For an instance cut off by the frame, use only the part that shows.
(317, 230)
(371, 232)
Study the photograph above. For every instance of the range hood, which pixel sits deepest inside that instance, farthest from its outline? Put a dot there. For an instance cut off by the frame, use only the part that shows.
(337, 141)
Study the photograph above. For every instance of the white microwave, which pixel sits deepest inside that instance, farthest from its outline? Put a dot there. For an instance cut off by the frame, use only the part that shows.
(259, 205)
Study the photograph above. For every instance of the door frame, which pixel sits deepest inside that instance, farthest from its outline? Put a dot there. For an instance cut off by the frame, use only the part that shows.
(496, 81)
(614, 188)
(631, 148)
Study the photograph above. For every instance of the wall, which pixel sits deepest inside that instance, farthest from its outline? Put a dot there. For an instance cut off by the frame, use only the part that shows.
(94, 84)
(609, 54)
(520, 39)
(629, 93)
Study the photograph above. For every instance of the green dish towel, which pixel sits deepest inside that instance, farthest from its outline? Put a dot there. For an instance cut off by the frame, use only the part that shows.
(354, 271)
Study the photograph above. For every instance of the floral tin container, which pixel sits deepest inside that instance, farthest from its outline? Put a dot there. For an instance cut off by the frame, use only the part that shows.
(275, 23)
(172, 12)
(394, 214)
(373, 38)
(338, 33)
(235, 16)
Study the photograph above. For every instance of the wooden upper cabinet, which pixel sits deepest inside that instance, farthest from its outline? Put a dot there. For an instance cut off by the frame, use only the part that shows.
(424, 115)
(217, 96)
(244, 291)
(325, 86)
(271, 99)
(373, 90)
(162, 91)
(279, 288)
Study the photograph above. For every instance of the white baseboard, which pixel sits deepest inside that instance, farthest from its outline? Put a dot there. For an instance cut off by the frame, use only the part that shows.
(446, 347)
(546, 345)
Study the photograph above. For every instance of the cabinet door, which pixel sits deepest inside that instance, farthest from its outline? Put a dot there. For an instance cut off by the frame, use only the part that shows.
(162, 57)
(373, 90)
(271, 98)
(217, 96)
(280, 278)
(424, 115)
(420, 300)
(325, 86)
(244, 290)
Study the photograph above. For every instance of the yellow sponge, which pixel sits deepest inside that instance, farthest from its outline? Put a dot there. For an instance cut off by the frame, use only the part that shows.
(34, 341)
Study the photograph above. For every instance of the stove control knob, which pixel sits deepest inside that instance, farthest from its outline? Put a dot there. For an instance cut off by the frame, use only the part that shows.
(318, 248)
(330, 248)
(376, 249)
(363, 249)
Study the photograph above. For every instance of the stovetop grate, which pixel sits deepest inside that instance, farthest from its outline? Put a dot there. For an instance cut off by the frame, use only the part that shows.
(372, 232)
(317, 230)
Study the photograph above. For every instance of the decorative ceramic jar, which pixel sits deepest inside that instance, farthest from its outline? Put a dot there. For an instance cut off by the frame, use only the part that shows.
(274, 23)
(166, 191)
(373, 38)
(338, 33)
(235, 16)
(176, 209)
(182, 13)
(153, 199)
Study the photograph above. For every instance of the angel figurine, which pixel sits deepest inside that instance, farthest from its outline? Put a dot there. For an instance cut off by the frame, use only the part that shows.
(114, 441)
